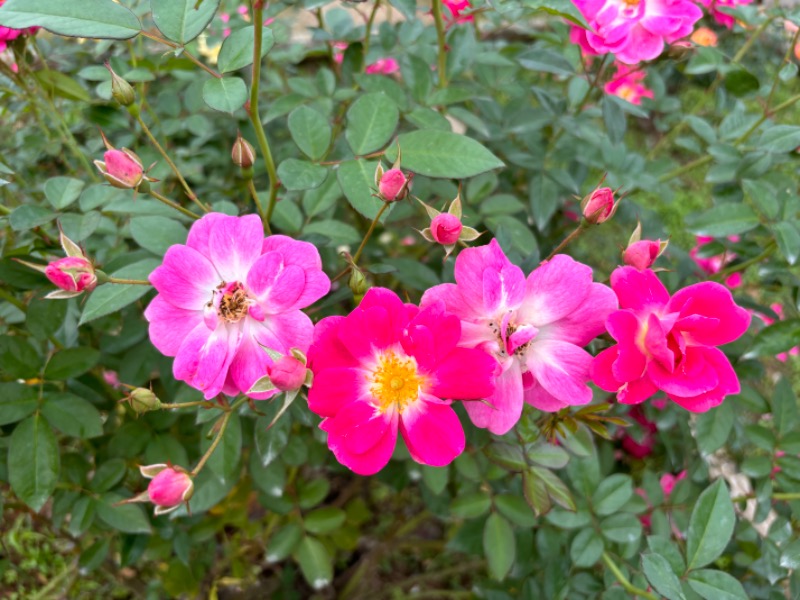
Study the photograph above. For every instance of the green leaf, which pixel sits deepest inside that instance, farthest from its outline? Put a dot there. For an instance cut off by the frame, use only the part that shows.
(311, 493)
(780, 138)
(788, 239)
(18, 358)
(612, 493)
(778, 337)
(784, 407)
(470, 506)
(357, 178)
(107, 475)
(111, 297)
(17, 401)
(716, 585)
(71, 362)
(790, 556)
(45, 317)
(227, 94)
(371, 121)
(586, 548)
(29, 216)
(740, 82)
(724, 220)
(284, 542)
(515, 509)
(224, 463)
(62, 191)
(61, 85)
(660, 575)
(558, 8)
(81, 516)
(237, 49)
(714, 427)
(87, 18)
(157, 234)
(665, 547)
(183, 20)
(324, 520)
(315, 562)
(548, 455)
(435, 153)
(72, 415)
(310, 131)
(614, 118)
(435, 478)
(296, 174)
(499, 546)
(33, 461)
(623, 528)
(710, 527)
(127, 518)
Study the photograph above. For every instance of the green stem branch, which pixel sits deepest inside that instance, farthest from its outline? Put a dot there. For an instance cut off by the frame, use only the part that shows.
(172, 204)
(368, 32)
(372, 225)
(203, 403)
(578, 231)
(217, 439)
(436, 7)
(128, 281)
(251, 186)
(255, 118)
(624, 582)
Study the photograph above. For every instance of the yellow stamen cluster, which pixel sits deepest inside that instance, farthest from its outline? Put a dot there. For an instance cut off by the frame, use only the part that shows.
(395, 382)
(233, 305)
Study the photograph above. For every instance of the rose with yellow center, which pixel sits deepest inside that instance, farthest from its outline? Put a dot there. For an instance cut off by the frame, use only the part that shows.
(395, 382)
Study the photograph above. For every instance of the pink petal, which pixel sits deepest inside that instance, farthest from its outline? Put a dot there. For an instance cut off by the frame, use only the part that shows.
(346, 430)
(504, 407)
(200, 231)
(541, 399)
(249, 365)
(186, 279)
(169, 325)
(586, 322)
(284, 331)
(655, 343)
(203, 358)
(432, 432)
(335, 388)
(235, 244)
(728, 384)
(602, 370)
(624, 327)
(725, 320)
(464, 374)
(636, 392)
(562, 369)
(431, 335)
(327, 351)
(693, 376)
(638, 290)
(487, 279)
(554, 290)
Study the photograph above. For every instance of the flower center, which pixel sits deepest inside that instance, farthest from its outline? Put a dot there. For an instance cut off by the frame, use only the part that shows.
(233, 302)
(395, 381)
(632, 2)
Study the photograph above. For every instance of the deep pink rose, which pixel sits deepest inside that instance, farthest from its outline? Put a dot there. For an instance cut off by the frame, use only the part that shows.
(446, 229)
(287, 373)
(599, 206)
(642, 254)
(72, 274)
(392, 185)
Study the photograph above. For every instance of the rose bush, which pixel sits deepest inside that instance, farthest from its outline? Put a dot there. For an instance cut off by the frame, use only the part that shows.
(351, 293)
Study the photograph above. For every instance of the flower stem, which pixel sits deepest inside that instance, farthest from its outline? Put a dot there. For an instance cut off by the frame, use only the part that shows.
(203, 403)
(436, 7)
(624, 582)
(171, 164)
(172, 204)
(744, 265)
(368, 32)
(255, 118)
(128, 281)
(257, 200)
(184, 51)
(217, 439)
(578, 231)
(372, 225)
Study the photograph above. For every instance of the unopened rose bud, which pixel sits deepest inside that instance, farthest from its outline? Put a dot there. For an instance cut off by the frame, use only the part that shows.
(446, 229)
(599, 205)
(642, 254)
(393, 185)
(170, 487)
(143, 400)
(243, 153)
(287, 374)
(121, 90)
(72, 274)
(121, 168)
(358, 283)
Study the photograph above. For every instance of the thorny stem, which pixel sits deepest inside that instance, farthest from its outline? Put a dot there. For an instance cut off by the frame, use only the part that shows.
(171, 164)
(218, 438)
(172, 204)
(578, 231)
(255, 118)
(368, 32)
(257, 200)
(128, 281)
(624, 582)
(436, 7)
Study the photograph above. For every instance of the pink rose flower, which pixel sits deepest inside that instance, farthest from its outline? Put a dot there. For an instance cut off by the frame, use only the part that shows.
(389, 367)
(535, 328)
(9, 35)
(599, 205)
(72, 274)
(714, 264)
(383, 66)
(633, 30)
(719, 16)
(393, 185)
(668, 481)
(456, 7)
(287, 373)
(642, 254)
(446, 229)
(668, 343)
(228, 292)
(627, 84)
(169, 487)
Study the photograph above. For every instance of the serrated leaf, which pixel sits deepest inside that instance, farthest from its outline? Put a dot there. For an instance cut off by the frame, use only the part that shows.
(310, 131)
(87, 18)
(226, 94)
(237, 49)
(436, 153)
(710, 527)
(111, 297)
(371, 121)
(499, 546)
(72, 415)
(183, 20)
(659, 573)
(716, 585)
(33, 461)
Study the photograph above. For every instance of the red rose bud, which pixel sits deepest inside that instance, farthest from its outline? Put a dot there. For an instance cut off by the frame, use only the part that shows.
(72, 274)
(393, 185)
(122, 168)
(243, 154)
(446, 229)
(170, 486)
(599, 205)
(642, 254)
(287, 374)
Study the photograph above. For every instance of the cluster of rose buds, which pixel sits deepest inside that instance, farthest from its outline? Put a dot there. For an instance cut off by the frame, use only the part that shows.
(73, 274)
(446, 227)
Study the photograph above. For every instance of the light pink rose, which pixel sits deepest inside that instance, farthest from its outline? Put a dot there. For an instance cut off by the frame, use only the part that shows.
(287, 373)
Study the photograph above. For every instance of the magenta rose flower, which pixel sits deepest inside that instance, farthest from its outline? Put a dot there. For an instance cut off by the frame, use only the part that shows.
(668, 343)
(633, 30)
(391, 367)
(228, 292)
(72, 274)
(535, 328)
(721, 17)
